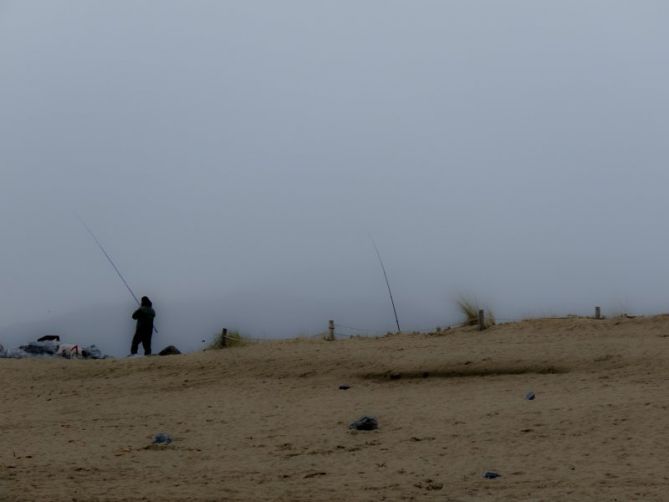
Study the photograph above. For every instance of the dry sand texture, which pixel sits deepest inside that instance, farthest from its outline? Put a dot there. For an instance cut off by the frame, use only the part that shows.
(267, 422)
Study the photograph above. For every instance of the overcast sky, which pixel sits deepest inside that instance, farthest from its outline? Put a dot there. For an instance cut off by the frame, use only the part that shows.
(243, 151)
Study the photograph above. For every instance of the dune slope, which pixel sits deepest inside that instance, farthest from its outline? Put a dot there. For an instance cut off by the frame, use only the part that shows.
(268, 422)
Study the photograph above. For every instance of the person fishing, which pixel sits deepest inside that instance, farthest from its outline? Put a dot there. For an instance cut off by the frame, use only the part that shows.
(144, 316)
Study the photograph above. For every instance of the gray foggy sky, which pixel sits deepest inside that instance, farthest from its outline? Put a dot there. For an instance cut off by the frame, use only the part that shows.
(239, 152)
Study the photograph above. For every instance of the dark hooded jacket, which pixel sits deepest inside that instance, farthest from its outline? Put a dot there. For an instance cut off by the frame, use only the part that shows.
(144, 316)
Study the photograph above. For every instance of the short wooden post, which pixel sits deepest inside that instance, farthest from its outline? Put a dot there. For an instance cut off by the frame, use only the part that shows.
(481, 320)
(331, 330)
(224, 337)
(598, 312)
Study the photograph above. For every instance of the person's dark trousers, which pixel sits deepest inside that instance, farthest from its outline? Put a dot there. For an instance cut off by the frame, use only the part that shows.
(146, 343)
(145, 340)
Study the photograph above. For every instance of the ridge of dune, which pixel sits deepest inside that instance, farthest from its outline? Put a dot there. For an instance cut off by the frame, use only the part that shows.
(267, 421)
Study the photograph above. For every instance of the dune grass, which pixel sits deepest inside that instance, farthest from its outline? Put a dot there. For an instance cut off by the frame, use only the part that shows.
(232, 339)
(470, 311)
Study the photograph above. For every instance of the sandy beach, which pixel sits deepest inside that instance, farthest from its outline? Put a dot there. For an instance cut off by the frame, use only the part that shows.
(268, 421)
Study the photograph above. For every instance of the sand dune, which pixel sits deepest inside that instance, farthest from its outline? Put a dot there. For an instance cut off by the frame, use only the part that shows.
(267, 421)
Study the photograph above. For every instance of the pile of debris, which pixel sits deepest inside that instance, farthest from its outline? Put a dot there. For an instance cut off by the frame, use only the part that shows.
(50, 346)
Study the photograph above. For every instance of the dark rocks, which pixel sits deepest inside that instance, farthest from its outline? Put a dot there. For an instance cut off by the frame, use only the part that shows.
(344, 387)
(365, 424)
(491, 475)
(530, 396)
(170, 350)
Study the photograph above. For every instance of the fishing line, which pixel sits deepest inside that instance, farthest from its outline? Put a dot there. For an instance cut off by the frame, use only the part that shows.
(111, 262)
(385, 276)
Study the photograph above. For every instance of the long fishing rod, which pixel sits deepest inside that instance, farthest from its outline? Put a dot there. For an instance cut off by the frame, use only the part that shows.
(111, 262)
(385, 276)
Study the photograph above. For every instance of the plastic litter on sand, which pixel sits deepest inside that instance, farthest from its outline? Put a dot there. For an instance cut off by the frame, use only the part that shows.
(162, 438)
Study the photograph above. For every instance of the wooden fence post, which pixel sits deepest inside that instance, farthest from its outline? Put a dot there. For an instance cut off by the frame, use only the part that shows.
(598, 312)
(481, 320)
(224, 337)
(331, 331)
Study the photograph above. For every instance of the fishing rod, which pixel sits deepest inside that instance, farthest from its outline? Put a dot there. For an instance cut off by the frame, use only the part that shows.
(385, 276)
(111, 262)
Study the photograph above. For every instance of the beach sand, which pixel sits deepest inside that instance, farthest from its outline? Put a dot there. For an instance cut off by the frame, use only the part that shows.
(268, 421)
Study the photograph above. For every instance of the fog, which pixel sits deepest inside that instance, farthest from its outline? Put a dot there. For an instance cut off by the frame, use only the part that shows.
(235, 157)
